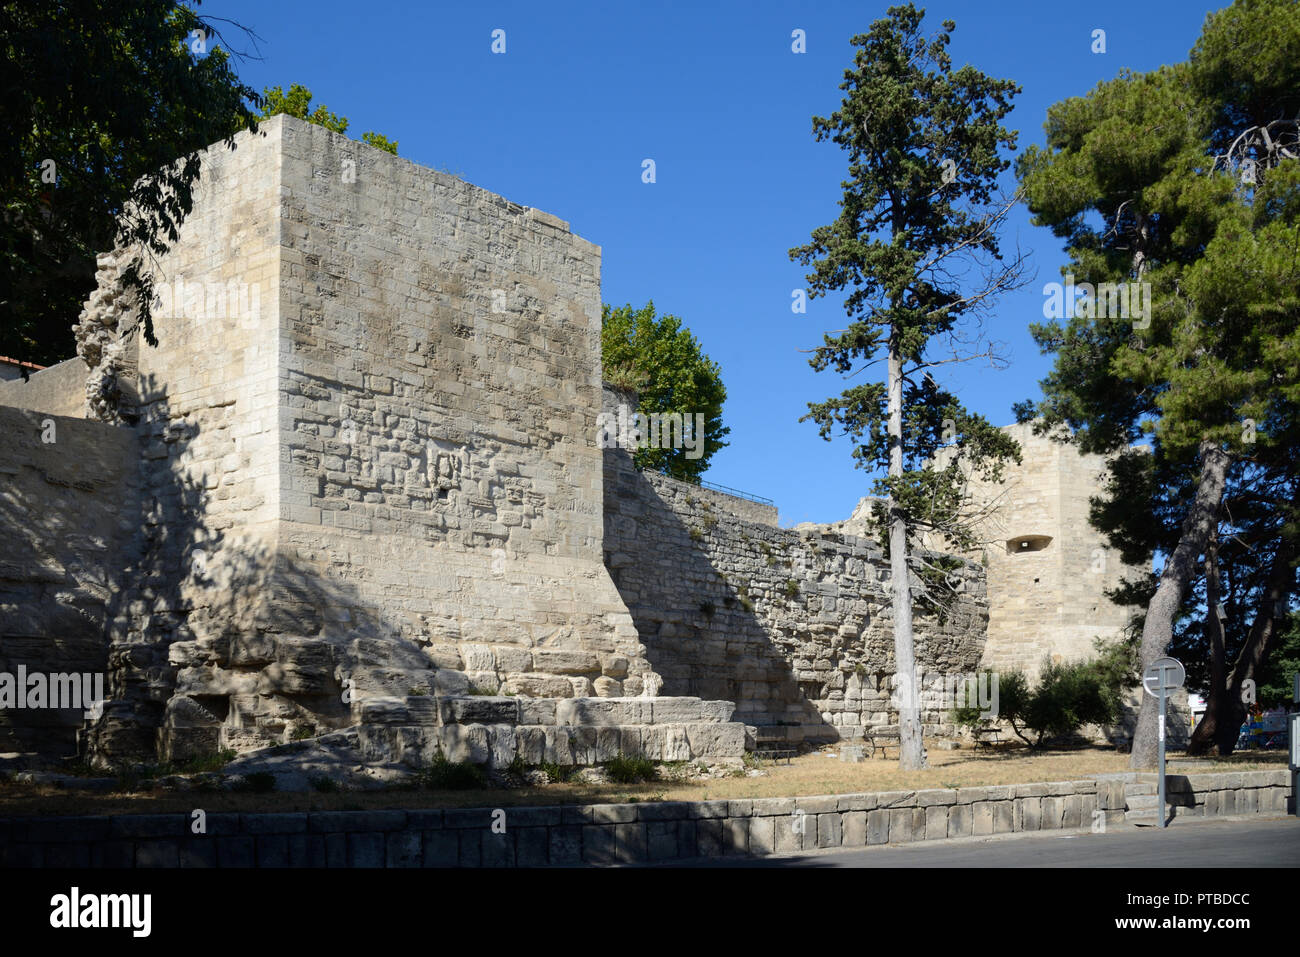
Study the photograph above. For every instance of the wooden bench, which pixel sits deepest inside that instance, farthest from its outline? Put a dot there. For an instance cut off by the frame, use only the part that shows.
(771, 742)
(988, 737)
(882, 740)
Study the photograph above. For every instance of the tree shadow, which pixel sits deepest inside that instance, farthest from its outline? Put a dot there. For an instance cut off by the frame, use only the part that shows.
(221, 637)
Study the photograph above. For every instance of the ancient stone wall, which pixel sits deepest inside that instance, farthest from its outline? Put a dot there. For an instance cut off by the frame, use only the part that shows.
(442, 380)
(612, 834)
(68, 512)
(795, 626)
(369, 456)
(58, 390)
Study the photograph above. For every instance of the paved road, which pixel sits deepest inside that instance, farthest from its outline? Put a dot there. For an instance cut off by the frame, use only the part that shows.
(1271, 842)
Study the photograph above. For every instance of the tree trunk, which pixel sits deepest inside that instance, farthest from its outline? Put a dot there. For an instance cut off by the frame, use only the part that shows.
(1203, 736)
(911, 751)
(1158, 629)
(1268, 615)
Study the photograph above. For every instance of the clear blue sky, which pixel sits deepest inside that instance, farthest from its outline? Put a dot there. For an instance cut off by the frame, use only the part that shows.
(712, 92)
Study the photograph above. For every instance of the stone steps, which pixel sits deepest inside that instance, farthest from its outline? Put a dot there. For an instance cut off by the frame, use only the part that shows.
(397, 735)
(1141, 801)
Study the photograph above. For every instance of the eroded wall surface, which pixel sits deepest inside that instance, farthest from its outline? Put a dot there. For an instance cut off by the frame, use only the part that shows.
(68, 511)
(371, 462)
(795, 626)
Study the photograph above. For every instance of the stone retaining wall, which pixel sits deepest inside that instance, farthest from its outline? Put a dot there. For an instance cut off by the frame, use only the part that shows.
(795, 626)
(608, 833)
(67, 513)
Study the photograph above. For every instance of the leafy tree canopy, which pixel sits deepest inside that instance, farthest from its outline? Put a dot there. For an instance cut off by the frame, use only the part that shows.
(659, 359)
(297, 102)
(100, 100)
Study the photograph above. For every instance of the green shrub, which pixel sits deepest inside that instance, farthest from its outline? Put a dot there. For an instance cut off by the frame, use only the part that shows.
(302, 731)
(323, 783)
(558, 774)
(792, 589)
(627, 770)
(1066, 697)
(444, 775)
(207, 762)
(259, 782)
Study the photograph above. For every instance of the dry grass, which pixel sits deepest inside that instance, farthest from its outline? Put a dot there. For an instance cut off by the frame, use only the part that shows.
(809, 774)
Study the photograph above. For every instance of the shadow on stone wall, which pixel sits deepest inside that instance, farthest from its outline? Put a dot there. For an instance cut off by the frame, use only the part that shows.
(218, 638)
(795, 627)
(700, 632)
(63, 500)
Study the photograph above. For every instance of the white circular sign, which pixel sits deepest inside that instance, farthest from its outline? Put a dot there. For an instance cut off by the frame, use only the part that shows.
(1163, 671)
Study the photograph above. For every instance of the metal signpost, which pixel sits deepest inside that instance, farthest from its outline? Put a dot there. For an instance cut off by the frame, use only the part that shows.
(1293, 739)
(1161, 677)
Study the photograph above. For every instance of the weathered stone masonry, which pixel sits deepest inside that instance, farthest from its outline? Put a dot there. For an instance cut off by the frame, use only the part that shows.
(376, 490)
(370, 485)
(794, 626)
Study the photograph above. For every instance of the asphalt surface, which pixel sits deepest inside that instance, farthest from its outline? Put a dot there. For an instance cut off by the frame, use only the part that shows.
(1267, 842)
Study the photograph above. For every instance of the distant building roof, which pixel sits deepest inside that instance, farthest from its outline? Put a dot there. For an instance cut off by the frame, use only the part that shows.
(18, 363)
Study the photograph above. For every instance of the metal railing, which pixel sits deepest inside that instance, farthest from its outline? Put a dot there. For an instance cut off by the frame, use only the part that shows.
(737, 493)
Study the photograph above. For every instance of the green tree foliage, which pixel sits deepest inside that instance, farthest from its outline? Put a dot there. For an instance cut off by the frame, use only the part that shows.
(924, 144)
(1066, 697)
(100, 100)
(297, 102)
(1277, 674)
(659, 359)
(1188, 179)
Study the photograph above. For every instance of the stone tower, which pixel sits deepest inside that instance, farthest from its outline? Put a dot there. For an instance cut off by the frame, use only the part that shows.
(1048, 568)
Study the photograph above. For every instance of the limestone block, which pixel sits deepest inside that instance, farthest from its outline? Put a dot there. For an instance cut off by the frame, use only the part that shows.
(720, 711)
(614, 666)
(186, 654)
(249, 650)
(558, 748)
(478, 658)
(539, 711)
(445, 656)
(582, 687)
(466, 743)
(530, 744)
(502, 744)
(484, 681)
(538, 686)
(676, 710)
(716, 740)
(602, 711)
(381, 711)
(479, 709)
(630, 741)
(582, 742)
(562, 662)
(606, 687)
(214, 681)
(509, 658)
(448, 682)
(185, 712)
(608, 744)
